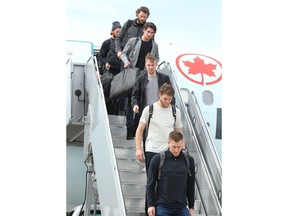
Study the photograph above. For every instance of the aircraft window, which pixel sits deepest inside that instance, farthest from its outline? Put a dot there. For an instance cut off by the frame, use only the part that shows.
(207, 97)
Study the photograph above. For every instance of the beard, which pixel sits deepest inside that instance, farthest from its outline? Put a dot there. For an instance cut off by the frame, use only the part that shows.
(141, 23)
(164, 105)
(152, 72)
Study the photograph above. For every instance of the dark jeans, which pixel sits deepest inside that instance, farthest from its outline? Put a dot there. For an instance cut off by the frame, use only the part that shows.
(121, 104)
(162, 211)
(129, 113)
(112, 107)
(148, 158)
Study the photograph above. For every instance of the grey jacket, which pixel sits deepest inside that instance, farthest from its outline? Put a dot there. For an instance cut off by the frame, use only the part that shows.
(132, 49)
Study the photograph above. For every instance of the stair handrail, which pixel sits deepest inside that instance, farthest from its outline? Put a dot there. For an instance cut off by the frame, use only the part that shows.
(204, 182)
(97, 134)
(206, 142)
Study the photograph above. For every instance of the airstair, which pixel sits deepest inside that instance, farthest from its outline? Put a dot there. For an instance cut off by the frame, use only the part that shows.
(110, 158)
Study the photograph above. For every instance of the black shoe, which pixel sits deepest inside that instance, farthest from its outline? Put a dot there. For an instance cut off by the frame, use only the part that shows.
(129, 135)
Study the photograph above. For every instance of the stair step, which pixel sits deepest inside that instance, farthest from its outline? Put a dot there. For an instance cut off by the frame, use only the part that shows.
(117, 120)
(133, 190)
(129, 165)
(125, 152)
(133, 177)
(135, 204)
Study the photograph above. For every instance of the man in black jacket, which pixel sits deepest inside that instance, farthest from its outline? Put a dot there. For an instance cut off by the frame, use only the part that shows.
(107, 47)
(108, 60)
(175, 185)
(146, 88)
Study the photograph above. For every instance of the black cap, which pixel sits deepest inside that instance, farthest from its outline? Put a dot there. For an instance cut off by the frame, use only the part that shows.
(115, 25)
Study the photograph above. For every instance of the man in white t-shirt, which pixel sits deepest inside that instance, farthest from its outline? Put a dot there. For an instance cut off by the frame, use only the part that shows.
(161, 124)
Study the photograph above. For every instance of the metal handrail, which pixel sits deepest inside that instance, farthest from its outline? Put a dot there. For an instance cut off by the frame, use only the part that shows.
(204, 182)
(206, 142)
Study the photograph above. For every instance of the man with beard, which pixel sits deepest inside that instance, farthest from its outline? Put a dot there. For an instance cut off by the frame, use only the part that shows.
(161, 124)
(131, 28)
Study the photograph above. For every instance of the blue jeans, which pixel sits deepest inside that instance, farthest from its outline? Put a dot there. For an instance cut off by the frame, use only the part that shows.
(162, 211)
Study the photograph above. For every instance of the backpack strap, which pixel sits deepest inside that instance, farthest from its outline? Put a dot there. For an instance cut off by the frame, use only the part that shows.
(129, 23)
(174, 113)
(150, 116)
(184, 151)
(162, 159)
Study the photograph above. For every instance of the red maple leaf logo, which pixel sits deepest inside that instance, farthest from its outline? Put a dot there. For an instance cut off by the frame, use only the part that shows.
(198, 66)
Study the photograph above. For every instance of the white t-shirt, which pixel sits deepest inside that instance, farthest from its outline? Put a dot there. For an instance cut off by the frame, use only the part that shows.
(161, 124)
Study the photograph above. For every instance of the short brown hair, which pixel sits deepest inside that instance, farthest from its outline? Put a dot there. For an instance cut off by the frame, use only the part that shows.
(150, 57)
(144, 10)
(167, 89)
(176, 136)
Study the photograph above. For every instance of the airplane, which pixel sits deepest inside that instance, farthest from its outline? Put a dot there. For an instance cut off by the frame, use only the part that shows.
(114, 183)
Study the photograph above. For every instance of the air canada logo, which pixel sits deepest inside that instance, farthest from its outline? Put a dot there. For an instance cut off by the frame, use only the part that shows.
(200, 69)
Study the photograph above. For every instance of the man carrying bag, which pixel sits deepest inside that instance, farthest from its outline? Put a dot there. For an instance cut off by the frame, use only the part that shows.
(133, 57)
